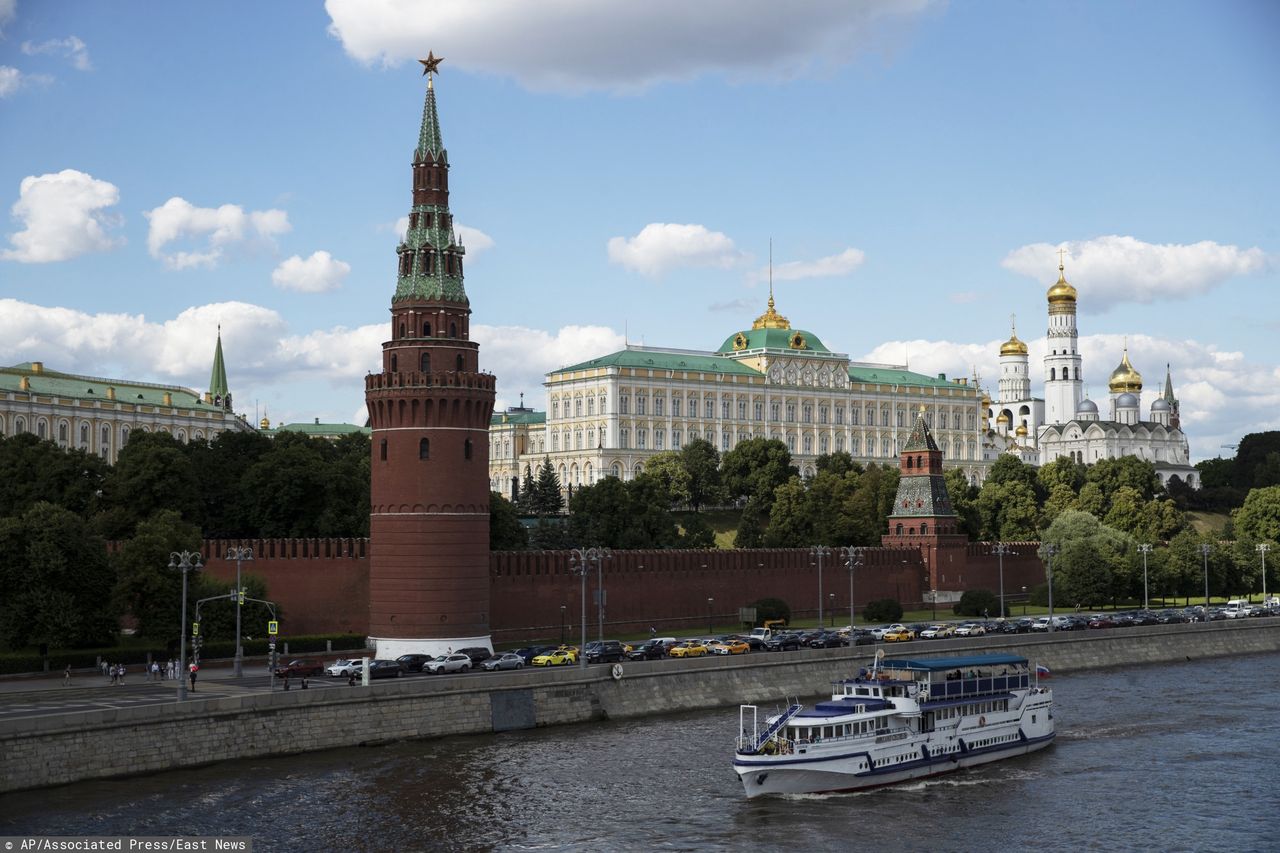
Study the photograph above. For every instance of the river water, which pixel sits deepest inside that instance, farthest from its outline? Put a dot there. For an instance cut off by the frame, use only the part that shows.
(1176, 757)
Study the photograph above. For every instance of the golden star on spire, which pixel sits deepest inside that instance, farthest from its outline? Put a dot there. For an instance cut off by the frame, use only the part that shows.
(431, 65)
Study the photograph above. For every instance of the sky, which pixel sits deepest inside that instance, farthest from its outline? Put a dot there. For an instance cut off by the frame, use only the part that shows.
(618, 170)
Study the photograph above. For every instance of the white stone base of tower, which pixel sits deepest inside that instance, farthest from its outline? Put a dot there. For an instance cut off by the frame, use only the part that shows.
(390, 648)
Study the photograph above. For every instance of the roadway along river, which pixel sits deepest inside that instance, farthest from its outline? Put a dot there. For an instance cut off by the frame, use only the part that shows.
(1175, 757)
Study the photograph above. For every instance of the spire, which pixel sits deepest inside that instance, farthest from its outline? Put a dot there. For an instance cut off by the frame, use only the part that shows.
(1168, 386)
(771, 319)
(921, 437)
(218, 378)
(429, 140)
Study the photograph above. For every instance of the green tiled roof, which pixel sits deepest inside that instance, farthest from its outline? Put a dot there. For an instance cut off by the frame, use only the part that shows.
(51, 383)
(773, 339)
(923, 496)
(659, 360)
(323, 429)
(877, 375)
(921, 438)
(518, 418)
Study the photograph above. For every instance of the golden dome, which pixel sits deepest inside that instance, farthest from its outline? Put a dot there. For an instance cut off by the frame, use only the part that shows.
(771, 319)
(1021, 430)
(1125, 378)
(1061, 291)
(1002, 418)
(265, 423)
(1013, 346)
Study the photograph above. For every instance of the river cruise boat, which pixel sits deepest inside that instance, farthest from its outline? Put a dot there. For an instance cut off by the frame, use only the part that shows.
(902, 719)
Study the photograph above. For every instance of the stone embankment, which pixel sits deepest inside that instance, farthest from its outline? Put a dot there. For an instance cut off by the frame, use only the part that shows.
(52, 750)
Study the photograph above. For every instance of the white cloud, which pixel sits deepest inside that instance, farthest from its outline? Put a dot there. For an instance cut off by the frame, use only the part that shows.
(734, 306)
(570, 45)
(833, 265)
(64, 215)
(71, 47)
(317, 274)
(12, 80)
(661, 247)
(475, 240)
(1111, 270)
(521, 357)
(223, 226)
(8, 10)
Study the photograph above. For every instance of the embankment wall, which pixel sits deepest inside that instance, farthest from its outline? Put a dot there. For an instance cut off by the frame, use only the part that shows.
(52, 750)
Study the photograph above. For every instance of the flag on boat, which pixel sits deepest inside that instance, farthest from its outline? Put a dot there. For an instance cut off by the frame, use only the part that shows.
(1042, 671)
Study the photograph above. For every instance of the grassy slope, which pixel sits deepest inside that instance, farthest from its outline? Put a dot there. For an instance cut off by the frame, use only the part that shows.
(1208, 522)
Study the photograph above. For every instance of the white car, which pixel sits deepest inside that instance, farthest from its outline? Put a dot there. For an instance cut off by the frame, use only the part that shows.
(934, 632)
(970, 629)
(343, 668)
(448, 663)
(879, 632)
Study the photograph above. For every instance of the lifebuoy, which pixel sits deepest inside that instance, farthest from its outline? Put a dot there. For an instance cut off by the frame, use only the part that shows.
(982, 721)
(616, 672)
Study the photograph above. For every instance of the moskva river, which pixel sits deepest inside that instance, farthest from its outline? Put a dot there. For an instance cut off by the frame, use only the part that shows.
(1178, 757)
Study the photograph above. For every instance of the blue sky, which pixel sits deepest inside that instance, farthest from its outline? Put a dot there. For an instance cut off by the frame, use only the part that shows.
(619, 169)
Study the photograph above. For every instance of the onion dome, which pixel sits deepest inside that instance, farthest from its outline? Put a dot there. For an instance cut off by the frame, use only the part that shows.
(1126, 401)
(1062, 291)
(265, 423)
(1002, 418)
(1160, 406)
(1021, 431)
(1087, 407)
(1125, 378)
(771, 319)
(1013, 346)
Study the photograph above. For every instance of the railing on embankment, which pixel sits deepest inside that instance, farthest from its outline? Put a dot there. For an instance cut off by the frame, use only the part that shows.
(53, 750)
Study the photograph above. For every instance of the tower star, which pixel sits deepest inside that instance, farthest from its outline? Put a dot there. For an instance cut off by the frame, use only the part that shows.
(431, 65)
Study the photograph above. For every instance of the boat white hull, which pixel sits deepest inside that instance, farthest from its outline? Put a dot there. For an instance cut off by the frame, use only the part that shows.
(829, 776)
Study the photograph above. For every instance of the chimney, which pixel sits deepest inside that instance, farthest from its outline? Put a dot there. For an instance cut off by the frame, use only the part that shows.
(37, 367)
(168, 398)
(317, 422)
(25, 384)
(111, 393)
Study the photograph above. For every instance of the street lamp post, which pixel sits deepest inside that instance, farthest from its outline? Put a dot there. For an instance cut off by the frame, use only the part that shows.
(1204, 552)
(562, 624)
(1001, 548)
(580, 563)
(1145, 549)
(820, 551)
(1263, 547)
(852, 557)
(831, 608)
(1024, 601)
(933, 598)
(710, 627)
(1049, 550)
(184, 561)
(239, 554)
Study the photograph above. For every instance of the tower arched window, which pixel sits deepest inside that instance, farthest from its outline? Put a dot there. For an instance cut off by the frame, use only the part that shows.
(898, 530)
(426, 330)
(924, 529)
(393, 362)
(1052, 374)
(426, 362)
(910, 462)
(459, 362)
(382, 450)
(467, 449)
(402, 330)
(424, 448)
(1066, 373)
(453, 330)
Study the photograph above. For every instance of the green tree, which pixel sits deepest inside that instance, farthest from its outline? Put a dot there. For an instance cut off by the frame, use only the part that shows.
(545, 498)
(1008, 510)
(32, 470)
(630, 515)
(1111, 474)
(839, 463)
(669, 469)
(695, 532)
(1063, 471)
(882, 610)
(56, 579)
(220, 467)
(751, 525)
(1094, 564)
(152, 472)
(964, 500)
(755, 468)
(1259, 517)
(1160, 521)
(979, 602)
(1256, 464)
(1010, 469)
(701, 463)
(1060, 499)
(771, 608)
(506, 533)
(287, 489)
(1126, 510)
(146, 587)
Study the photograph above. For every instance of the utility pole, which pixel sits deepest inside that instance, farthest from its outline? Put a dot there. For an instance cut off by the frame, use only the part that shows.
(820, 551)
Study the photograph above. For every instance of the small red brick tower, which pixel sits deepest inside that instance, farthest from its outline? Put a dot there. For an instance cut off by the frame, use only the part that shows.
(922, 515)
(429, 409)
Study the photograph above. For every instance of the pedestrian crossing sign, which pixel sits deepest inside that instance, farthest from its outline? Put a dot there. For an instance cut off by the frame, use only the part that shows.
(273, 627)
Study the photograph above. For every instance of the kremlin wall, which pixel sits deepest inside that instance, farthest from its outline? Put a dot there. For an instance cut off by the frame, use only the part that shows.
(322, 585)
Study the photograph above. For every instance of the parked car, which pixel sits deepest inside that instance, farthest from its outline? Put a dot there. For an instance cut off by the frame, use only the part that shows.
(413, 663)
(477, 654)
(689, 649)
(608, 651)
(859, 637)
(300, 667)
(756, 644)
(970, 629)
(555, 657)
(783, 642)
(1101, 620)
(509, 660)
(899, 635)
(456, 662)
(648, 650)
(385, 669)
(1040, 624)
(937, 632)
(826, 640)
(343, 668)
(528, 653)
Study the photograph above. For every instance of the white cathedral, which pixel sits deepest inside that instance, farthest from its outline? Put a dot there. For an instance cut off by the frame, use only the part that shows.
(1064, 423)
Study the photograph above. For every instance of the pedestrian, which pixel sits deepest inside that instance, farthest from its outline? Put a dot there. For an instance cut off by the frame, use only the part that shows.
(286, 682)
(114, 674)
(653, 632)
(304, 682)
(351, 679)
(194, 669)
(104, 668)
(155, 670)
(121, 673)
(66, 676)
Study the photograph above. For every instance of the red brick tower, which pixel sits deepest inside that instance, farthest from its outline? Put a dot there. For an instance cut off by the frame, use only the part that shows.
(429, 409)
(922, 514)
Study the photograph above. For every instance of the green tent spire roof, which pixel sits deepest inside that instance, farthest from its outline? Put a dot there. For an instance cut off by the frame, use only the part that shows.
(218, 378)
(430, 142)
(921, 438)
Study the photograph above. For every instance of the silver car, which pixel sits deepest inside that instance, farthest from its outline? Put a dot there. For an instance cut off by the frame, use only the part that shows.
(344, 667)
(448, 663)
(506, 661)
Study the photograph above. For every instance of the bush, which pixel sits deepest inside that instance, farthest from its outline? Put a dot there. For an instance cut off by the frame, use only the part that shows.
(1040, 595)
(979, 602)
(882, 610)
(772, 608)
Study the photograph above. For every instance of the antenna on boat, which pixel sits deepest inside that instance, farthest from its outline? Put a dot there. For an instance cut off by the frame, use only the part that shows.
(875, 664)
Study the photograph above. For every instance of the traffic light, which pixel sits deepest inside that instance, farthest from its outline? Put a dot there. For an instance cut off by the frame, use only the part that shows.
(242, 596)
(195, 629)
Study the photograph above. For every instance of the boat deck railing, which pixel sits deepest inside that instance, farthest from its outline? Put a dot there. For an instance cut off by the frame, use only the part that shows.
(961, 688)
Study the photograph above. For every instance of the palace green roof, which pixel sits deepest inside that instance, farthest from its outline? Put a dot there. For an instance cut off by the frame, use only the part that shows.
(51, 383)
(529, 417)
(877, 375)
(779, 339)
(315, 428)
(659, 360)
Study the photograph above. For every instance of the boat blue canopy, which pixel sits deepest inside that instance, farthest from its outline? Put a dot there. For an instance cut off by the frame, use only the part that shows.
(944, 664)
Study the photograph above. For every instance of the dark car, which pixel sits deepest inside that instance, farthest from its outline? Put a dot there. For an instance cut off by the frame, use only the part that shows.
(607, 651)
(1102, 621)
(783, 642)
(300, 667)
(1011, 627)
(413, 663)
(826, 640)
(757, 644)
(385, 669)
(862, 638)
(648, 650)
(528, 653)
(478, 654)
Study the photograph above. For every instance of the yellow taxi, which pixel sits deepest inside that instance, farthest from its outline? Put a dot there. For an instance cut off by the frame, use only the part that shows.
(556, 657)
(899, 635)
(571, 651)
(729, 647)
(688, 649)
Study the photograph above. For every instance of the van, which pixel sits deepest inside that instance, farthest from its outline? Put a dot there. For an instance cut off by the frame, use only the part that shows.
(1235, 608)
